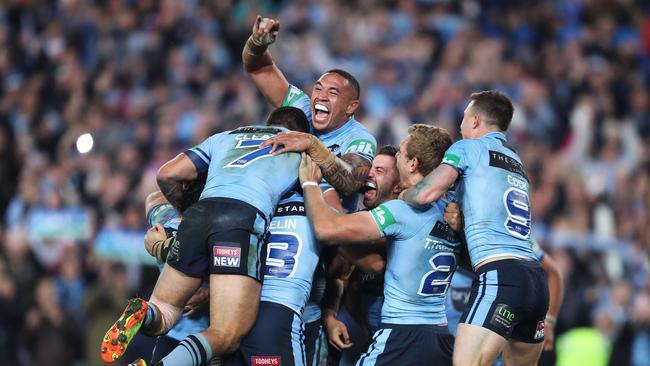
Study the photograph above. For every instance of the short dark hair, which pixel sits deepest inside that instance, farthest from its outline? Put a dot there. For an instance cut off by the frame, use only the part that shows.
(290, 117)
(495, 106)
(389, 150)
(347, 76)
(428, 144)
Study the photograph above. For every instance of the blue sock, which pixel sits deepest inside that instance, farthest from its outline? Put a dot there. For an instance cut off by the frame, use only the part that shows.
(192, 351)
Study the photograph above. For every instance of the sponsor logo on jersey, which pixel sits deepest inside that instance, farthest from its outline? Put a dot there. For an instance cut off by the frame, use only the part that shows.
(451, 159)
(366, 147)
(539, 330)
(505, 162)
(290, 209)
(383, 217)
(503, 316)
(256, 130)
(443, 231)
(266, 360)
(226, 256)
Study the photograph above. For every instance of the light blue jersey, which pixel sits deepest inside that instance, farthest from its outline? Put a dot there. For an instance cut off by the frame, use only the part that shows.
(351, 138)
(293, 255)
(493, 193)
(422, 254)
(238, 168)
(170, 219)
(312, 310)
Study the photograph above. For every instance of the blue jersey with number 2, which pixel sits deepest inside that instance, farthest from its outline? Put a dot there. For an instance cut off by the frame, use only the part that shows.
(493, 193)
(293, 254)
(422, 254)
(238, 168)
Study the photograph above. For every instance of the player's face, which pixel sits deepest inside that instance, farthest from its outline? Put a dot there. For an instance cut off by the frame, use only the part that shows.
(403, 162)
(332, 102)
(382, 183)
(468, 118)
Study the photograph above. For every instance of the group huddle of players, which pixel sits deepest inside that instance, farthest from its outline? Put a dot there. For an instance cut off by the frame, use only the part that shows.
(259, 232)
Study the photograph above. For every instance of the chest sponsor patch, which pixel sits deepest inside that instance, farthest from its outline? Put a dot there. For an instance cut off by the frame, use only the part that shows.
(266, 360)
(226, 256)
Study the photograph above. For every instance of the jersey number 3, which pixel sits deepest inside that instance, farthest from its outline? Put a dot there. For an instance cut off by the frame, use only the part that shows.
(282, 257)
(436, 281)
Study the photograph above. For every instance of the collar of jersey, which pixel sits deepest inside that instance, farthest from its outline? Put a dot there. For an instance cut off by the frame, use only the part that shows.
(338, 131)
(497, 134)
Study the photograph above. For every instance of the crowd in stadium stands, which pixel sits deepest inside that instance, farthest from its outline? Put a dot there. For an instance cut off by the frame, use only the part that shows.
(148, 79)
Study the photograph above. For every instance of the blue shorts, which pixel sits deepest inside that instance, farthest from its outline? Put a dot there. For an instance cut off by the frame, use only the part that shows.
(510, 298)
(220, 236)
(164, 345)
(276, 339)
(409, 345)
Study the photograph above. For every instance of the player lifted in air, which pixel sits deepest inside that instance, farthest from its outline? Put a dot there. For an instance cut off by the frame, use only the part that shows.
(509, 300)
(421, 256)
(222, 235)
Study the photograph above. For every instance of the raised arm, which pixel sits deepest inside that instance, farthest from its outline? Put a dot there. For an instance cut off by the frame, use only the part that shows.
(173, 176)
(259, 64)
(432, 187)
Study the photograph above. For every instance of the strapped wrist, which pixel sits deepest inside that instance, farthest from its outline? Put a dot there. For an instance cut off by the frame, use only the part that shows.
(320, 154)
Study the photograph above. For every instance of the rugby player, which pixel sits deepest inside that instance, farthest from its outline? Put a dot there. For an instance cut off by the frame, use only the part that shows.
(461, 284)
(222, 234)
(509, 300)
(421, 255)
(163, 221)
(330, 110)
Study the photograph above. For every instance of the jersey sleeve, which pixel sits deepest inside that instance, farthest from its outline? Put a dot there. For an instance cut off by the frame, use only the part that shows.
(387, 218)
(461, 154)
(297, 98)
(361, 143)
(201, 154)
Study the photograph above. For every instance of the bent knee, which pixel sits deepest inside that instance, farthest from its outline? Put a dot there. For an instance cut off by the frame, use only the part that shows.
(225, 341)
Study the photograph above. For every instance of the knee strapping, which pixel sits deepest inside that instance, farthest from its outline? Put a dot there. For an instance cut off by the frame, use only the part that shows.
(168, 313)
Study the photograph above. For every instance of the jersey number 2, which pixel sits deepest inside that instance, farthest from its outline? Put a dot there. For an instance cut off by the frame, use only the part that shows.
(282, 257)
(436, 281)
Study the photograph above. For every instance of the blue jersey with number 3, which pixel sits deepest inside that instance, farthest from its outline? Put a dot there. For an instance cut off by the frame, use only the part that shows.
(238, 168)
(293, 254)
(493, 193)
(422, 254)
(351, 138)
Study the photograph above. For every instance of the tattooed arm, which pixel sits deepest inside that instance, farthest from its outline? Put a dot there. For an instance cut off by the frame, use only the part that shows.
(432, 187)
(173, 177)
(348, 174)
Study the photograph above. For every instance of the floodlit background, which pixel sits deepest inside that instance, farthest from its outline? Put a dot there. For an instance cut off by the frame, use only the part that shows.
(96, 95)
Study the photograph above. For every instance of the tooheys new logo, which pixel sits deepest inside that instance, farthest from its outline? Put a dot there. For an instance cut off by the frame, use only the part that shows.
(266, 360)
(225, 256)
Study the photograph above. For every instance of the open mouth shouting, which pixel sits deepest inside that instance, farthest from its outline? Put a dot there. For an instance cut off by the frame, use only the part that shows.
(321, 113)
(369, 189)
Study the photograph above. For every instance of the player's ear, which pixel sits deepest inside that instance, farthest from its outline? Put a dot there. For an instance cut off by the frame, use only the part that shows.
(476, 121)
(414, 165)
(352, 107)
(397, 189)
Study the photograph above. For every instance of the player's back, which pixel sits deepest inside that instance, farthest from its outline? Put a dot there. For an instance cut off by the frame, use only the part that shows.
(422, 254)
(493, 192)
(293, 254)
(238, 168)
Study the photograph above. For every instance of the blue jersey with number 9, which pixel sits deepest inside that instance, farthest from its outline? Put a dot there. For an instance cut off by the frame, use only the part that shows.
(422, 254)
(293, 254)
(238, 168)
(493, 193)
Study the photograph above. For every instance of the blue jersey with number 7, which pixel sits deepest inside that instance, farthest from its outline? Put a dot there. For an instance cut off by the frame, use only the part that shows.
(238, 168)
(421, 258)
(493, 193)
